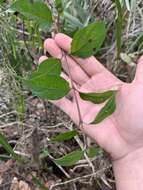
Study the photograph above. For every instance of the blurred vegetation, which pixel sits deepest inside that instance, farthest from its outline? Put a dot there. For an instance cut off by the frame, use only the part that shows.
(21, 39)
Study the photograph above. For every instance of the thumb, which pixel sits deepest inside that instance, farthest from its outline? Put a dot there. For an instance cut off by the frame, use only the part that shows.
(139, 70)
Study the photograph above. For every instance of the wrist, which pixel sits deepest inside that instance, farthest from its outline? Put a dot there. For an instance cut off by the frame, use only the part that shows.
(128, 171)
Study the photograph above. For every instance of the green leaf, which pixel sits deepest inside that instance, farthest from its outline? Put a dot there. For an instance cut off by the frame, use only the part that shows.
(88, 40)
(64, 136)
(118, 27)
(97, 98)
(49, 66)
(36, 10)
(70, 159)
(106, 111)
(92, 152)
(8, 147)
(1, 1)
(48, 87)
(46, 82)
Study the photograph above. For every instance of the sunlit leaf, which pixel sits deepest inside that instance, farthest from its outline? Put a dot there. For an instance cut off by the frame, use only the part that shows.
(96, 98)
(88, 40)
(106, 111)
(70, 159)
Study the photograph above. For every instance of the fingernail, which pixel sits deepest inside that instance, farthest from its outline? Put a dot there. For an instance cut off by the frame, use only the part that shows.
(42, 58)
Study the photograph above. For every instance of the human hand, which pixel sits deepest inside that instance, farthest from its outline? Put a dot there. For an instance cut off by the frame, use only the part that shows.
(122, 132)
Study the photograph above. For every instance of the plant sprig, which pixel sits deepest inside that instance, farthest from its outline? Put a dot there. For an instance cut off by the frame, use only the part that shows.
(46, 81)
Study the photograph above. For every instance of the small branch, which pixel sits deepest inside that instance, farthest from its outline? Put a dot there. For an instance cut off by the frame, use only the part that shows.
(74, 90)
(10, 124)
(9, 113)
(95, 174)
(56, 17)
(85, 154)
(83, 147)
(36, 147)
(22, 154)
(45, 109)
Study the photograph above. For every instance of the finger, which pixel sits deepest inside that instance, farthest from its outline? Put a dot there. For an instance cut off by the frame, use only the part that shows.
(91, 65)
(139, 71)
(42, 58)
(101, 82)
(104, 131)
(68, 64)
(65, 76)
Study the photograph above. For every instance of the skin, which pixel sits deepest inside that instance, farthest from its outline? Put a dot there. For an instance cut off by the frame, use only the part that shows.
(121, 134)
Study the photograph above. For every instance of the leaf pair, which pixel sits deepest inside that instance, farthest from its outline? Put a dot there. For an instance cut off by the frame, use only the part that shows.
(73, 157)
(98, 98)
(46, 81)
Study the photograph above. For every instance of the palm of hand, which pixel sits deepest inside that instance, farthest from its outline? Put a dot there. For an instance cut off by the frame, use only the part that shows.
(118, 134)
(122, 132)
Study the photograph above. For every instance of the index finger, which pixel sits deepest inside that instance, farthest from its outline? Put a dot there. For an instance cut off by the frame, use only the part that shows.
(91, 65)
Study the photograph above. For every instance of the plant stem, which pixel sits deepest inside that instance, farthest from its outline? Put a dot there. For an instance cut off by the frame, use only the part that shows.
(74, 91)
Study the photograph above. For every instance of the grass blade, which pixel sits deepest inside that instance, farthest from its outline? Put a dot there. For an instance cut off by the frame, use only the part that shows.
(8, 147)
(118, 27)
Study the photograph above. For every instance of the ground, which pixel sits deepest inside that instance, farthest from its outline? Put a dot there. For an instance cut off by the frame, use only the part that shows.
(41, 121)
(28, 122)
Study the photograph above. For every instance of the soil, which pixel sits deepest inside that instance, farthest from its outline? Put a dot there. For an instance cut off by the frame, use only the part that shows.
(29, 136)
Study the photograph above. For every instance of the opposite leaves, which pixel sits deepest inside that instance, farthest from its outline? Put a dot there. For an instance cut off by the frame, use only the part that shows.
(46, 82)
(98, 98)
(88, 40)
